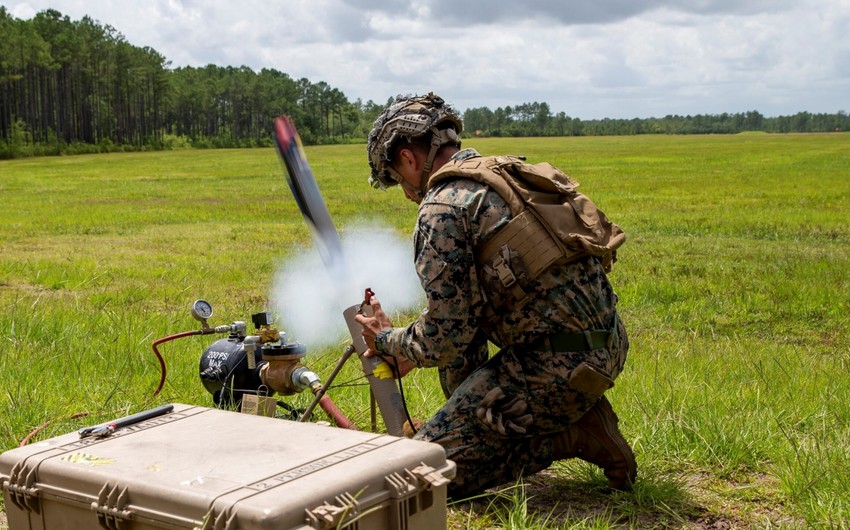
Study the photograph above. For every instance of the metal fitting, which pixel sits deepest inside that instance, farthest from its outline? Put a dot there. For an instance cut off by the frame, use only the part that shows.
(284, 373)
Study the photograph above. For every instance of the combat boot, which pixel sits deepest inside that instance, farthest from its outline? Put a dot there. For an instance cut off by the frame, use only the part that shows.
(595, 438)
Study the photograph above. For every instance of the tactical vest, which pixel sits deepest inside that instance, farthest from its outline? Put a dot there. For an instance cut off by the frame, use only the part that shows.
(551, 222)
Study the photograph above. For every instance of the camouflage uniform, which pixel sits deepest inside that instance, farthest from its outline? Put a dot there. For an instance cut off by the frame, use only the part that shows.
(501, 412)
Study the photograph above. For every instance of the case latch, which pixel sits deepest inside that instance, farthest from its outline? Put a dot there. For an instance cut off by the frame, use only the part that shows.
(429, 477)
(110, 507)
(21, 488)
(330, 515)
(226, 520)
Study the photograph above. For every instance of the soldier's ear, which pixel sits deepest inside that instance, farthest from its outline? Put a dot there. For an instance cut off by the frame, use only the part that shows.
(409, 164)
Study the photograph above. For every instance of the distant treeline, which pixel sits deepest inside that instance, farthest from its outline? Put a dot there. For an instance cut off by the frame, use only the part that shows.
(78, 86)
(536, 119)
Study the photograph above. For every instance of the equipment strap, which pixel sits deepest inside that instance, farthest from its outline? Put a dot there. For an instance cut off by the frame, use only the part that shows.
(572, 342)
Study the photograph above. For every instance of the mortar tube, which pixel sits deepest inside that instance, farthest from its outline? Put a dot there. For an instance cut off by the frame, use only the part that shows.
(385, 391)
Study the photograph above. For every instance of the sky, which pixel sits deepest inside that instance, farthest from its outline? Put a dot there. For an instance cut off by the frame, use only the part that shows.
(589, 59)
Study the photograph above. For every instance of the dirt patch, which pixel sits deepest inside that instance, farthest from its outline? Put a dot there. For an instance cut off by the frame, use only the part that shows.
(4, 523)
(558, 498)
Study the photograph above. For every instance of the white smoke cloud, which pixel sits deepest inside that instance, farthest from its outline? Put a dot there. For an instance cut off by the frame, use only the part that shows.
(309, 300)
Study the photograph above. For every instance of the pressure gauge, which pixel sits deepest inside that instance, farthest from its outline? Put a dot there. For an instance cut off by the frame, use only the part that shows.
(202, 310)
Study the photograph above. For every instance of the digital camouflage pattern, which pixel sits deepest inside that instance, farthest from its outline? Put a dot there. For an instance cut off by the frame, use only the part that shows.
(501, 414)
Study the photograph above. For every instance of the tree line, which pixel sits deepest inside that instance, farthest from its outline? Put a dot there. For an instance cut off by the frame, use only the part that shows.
(79, 86)
(71, 86)
(536, 119)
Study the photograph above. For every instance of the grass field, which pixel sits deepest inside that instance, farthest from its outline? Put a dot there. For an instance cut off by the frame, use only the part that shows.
(733, 284)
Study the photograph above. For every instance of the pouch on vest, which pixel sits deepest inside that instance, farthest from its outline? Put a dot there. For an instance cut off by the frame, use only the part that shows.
(571, 217)
(551, 223)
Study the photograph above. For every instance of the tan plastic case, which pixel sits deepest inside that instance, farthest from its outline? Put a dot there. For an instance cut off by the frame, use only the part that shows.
(203, 468)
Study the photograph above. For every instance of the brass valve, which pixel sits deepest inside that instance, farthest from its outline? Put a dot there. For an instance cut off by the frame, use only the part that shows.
(283, 371)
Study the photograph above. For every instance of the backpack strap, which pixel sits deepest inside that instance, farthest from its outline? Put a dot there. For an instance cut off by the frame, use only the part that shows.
(484, 170)
(550, 222)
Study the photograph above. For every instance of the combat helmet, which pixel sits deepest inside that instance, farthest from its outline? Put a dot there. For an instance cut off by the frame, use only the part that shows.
(409, 117)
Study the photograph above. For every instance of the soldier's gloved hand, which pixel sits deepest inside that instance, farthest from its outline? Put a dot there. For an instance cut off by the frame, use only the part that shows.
(503, 414)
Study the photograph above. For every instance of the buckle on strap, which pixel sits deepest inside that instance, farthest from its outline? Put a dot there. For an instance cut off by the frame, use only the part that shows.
(506, 275)
(509, 280)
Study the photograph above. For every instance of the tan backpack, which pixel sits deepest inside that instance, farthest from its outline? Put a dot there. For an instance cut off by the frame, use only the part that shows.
(552, 222)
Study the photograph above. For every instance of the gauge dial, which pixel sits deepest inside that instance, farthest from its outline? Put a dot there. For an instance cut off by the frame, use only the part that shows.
(202, 310)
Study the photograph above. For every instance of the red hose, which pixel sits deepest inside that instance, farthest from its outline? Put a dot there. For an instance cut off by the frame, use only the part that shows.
(159, 356)
(335, 414)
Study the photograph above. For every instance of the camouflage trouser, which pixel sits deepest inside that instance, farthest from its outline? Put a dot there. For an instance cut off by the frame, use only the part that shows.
(487, 430)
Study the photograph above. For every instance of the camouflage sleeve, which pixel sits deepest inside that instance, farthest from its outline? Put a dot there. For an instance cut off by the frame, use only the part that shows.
(444, 262)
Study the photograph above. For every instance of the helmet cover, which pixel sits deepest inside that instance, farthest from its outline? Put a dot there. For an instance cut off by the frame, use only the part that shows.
(406, 117)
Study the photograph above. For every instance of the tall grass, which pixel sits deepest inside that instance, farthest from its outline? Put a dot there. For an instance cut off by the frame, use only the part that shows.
(733, 285)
